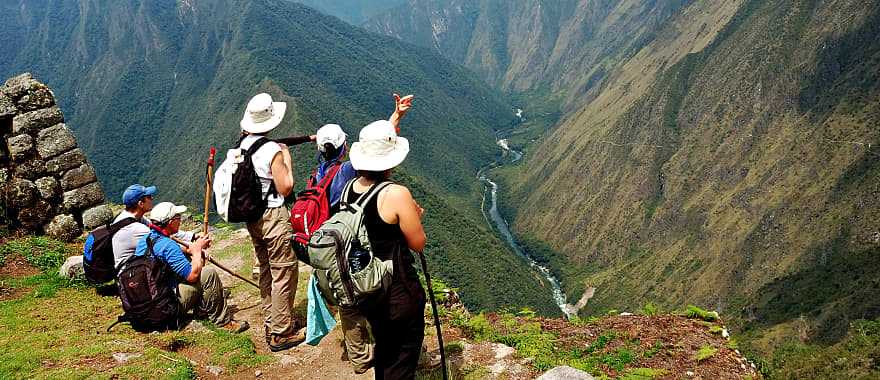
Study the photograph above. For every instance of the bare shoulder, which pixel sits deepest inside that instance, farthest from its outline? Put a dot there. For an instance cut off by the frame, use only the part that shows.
(395, 193)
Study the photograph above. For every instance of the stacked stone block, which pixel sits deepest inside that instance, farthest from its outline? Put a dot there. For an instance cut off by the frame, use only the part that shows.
(46, 183)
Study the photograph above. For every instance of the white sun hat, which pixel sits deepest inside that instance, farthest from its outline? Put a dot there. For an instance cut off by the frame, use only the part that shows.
(330, 133)
(378, 147)
(165, 211)
(262, 114)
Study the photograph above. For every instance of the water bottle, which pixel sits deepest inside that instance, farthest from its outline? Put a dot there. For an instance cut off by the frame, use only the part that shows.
(358, 258)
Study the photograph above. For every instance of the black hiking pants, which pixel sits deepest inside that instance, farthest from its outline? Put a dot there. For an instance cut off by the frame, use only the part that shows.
(398, 324)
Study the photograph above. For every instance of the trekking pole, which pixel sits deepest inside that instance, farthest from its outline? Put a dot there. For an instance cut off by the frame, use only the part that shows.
(217, 264)
(208, 177)
(436, 316)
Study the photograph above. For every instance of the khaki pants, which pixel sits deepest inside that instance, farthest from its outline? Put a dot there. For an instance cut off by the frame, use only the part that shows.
(278, 268)
(205, 298)
(358, 343)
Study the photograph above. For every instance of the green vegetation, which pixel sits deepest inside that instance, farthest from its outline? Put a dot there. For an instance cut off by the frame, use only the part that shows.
(698, 313)
(644, 374)
(705, 353)
(650, 309)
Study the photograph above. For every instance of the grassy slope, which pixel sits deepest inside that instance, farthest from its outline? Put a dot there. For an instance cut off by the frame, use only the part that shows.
(195, 65)
(729, 167)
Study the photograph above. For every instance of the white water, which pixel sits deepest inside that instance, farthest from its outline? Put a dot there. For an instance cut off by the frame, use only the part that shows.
(495, 219)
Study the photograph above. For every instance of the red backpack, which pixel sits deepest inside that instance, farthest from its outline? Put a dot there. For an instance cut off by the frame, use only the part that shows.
(312, 206)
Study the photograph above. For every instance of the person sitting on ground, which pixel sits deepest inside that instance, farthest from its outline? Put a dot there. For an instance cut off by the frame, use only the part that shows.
(199, 288)
(138, 201)
(394, 226)
(331, 141)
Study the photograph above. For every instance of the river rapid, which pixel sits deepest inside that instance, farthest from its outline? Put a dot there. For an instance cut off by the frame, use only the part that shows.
(494, 219)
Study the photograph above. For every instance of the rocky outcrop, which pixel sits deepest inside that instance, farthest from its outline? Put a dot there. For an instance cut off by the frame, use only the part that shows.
(46, 183)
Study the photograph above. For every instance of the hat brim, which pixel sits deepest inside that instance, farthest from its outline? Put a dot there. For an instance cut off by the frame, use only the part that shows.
(249, 126)
(150, 191)
(362, 160)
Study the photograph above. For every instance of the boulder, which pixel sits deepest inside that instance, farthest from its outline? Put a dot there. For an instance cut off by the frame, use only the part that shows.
(565, 373)
(18, 86)
(55, 140)
(97, 216)
(63, 227)
(48, 187)
(33, 217)
(20, 193)
(31, 169)
(34, 121)
(65, 161)
(78, 177)
(7, 107)
(83, 197)
(20, 147)
(72, 268)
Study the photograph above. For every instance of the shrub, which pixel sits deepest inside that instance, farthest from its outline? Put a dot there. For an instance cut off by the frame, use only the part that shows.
(694, 312)
(705, 352)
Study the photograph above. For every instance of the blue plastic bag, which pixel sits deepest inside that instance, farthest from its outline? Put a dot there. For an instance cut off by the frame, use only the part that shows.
(319, 321)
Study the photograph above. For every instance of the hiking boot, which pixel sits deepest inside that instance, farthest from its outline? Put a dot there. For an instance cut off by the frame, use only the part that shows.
(281, 343)
(236, 327)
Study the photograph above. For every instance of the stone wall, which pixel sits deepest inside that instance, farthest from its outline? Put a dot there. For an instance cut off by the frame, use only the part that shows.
(46, 183)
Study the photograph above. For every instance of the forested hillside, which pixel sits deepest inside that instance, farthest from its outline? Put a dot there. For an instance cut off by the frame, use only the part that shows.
(719, 152)
(148, 86)
(354, 12)
(554, 51)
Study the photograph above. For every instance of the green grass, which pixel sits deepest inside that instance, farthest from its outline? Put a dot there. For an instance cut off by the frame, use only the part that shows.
(57, 329)
(643, 374)
(694, 312)
(705, 352)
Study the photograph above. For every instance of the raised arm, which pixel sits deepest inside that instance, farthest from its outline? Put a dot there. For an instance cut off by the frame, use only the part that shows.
(401, 106)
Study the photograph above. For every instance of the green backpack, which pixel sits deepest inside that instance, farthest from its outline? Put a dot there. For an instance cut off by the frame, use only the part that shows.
(344, 237)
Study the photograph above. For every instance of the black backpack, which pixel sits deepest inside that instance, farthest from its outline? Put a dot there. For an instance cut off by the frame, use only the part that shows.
(149, 301)
(98, 262)
(246, 200)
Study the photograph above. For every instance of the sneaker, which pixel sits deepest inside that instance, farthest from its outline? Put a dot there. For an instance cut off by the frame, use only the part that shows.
(236, 327)
(281, 343)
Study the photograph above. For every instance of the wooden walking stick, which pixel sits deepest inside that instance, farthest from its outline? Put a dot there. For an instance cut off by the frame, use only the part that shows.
(208, 178)
(217, 264)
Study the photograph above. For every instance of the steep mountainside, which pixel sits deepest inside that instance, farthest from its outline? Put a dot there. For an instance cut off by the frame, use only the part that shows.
(556, 49)
(148, 86)
(354, 12)
(732, 161)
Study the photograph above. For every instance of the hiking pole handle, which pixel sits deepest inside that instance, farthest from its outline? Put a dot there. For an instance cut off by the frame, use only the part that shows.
(217, 264)
(436, 316)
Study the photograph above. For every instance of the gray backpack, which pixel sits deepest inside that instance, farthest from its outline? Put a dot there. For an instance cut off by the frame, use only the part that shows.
(347, 272)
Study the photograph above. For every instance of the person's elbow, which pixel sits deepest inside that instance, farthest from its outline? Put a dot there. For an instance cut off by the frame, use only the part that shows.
(193, 276)
(417, 243)
(284, 186)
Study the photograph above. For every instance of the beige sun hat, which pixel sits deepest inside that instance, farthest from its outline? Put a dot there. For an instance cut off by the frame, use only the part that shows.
(378, 147)
(262, 114)
(165, 211)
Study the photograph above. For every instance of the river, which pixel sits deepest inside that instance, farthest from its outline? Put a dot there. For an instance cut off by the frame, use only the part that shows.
(495, 220)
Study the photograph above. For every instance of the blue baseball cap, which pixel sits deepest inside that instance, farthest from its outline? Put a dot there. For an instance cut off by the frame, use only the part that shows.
(135, 192)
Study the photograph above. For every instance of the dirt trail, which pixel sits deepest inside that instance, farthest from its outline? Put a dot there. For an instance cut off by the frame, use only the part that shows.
(324, 361)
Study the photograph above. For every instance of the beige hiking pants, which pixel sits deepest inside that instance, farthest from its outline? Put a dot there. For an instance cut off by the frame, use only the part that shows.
(205, 298)
(358, 344)
(278, 268)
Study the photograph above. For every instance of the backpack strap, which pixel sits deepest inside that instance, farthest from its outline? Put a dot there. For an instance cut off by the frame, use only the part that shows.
(328, 176)
(262, 140)
(365, 198)
(115, 227)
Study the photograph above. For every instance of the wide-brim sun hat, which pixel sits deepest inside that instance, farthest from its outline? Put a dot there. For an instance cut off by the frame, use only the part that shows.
(165, 211)
(378, 147)
(262, 114)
